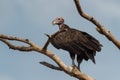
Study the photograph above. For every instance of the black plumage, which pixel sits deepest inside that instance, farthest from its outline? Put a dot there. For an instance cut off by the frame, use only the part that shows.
(74, 41)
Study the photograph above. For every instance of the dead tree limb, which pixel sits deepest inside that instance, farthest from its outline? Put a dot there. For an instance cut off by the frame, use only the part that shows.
(34, 47)
(51, 66)
(100, 28)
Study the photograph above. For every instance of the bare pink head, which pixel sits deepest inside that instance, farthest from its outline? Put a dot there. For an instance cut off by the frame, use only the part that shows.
(58, 21)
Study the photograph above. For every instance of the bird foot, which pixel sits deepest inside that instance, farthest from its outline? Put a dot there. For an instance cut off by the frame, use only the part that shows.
(74, 67)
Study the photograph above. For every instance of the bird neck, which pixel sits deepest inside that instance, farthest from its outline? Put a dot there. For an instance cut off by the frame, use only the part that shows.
(60, 26)
(63, 27)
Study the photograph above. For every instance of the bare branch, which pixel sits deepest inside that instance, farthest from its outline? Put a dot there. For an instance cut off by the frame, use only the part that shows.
(75, 73)
(47, 43)
(16, 39)
(33, 47)
(100, 28)
(50, 66)
(20, 48)
(60, 69)
(5, 39)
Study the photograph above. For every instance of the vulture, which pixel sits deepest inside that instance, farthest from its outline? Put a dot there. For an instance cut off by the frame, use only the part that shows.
(76, 42)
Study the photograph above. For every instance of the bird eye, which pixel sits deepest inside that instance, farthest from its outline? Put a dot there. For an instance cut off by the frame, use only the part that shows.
(58, 18)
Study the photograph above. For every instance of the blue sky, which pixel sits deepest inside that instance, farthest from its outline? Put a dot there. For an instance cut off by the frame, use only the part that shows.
(32, 18)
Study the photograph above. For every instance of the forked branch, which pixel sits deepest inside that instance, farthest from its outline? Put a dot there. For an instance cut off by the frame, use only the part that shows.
(100, 28)
(34, 47)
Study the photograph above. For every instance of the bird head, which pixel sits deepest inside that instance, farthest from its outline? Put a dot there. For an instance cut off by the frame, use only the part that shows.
(58, 21)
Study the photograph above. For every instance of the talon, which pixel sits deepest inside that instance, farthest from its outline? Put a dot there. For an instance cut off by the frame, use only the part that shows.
(73, 67)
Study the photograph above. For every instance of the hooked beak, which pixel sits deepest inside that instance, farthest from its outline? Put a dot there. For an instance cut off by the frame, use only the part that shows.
(54, 22)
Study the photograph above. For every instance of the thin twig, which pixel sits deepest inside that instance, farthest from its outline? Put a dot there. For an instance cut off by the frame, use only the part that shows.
(51, 66)
(20, 48)
(47, 43)
(16, 39)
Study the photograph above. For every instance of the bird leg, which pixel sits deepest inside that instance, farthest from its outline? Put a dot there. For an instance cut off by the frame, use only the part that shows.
(73, 63)
(79, 60)
(73, 58)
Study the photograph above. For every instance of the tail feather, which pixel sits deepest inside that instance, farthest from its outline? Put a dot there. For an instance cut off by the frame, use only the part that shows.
(88, 54)
(91, 55)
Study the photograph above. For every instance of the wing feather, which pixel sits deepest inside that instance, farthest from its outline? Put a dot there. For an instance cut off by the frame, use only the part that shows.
(81, 38)
(76, 42)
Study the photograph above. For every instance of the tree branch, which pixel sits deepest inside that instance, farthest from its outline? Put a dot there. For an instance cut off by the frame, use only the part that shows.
(100, 28)
(5, 39)
(34, 47)
(20, 48)
(51, 66)
(47, 43)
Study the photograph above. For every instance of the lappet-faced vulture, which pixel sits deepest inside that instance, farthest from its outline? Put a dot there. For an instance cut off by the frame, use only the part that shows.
(76, 42)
